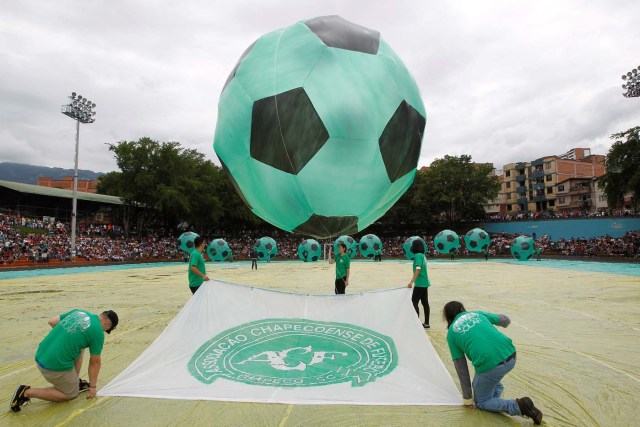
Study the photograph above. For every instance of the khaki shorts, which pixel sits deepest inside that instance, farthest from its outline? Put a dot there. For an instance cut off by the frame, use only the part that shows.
(65, 381)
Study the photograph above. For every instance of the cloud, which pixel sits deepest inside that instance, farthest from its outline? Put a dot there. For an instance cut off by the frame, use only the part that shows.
(504, 81)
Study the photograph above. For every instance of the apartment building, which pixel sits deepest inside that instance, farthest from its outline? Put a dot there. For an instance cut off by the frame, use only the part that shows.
(564, 182)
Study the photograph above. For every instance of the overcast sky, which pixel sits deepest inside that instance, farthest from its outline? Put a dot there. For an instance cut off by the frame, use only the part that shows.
(503, 81)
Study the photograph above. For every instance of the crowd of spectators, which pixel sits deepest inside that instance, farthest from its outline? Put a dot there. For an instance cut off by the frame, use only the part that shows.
(566, 214)
(43, 240)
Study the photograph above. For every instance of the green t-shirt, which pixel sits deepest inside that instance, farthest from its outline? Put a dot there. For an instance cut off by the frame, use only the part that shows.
(472, 334)
(422, 281)
(343, 263)
(77, 329)
(197, 260)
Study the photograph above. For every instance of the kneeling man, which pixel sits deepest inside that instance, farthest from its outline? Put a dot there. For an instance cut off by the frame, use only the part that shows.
(59, 356)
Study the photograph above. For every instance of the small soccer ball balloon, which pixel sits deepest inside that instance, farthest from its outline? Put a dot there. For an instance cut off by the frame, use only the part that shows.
(186, 241)
(447, 242)
(350, 242)
(307, 104)
(523, 248)
(370, 245)
(477, 240)
(266, 248)
(218, 250)
(309, 250)
(406, 246)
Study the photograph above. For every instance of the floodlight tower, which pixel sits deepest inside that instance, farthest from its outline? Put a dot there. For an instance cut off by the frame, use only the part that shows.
(81, 110)
(632, 83)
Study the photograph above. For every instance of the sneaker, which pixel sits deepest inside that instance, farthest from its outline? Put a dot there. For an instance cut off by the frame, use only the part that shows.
(19, 398)
(83, 385)
(426, 326)
(528, 409)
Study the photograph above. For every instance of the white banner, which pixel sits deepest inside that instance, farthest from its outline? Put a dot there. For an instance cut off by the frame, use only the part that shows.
(237, 343)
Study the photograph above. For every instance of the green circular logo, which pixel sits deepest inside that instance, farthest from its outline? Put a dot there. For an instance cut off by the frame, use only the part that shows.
(295, 353)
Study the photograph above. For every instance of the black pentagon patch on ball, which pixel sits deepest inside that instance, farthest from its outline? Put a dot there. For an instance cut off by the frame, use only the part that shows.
(350, 239)
(314, 258)
(279, 123)
(214, 252)
(529, 256)
(452, 250)
(225, 253)
(376, 246)
(189, 243)
(234, 183)
(322, 227)
(440, 246)
(342, 34)
(257, 243)
(482, 235)
(470, 233)
(304, 242)
(235, 68)
(484, 247)
(400, 141)
(305, 254)
(261, 254)
(220, 243)
(187, 233)
(450, 238)
(439, 234)
(370, 236)
(473, 243)
(516, 254)
(269, 246)
(364, 246)
(314, 247)
(369, 255)
(524, 246)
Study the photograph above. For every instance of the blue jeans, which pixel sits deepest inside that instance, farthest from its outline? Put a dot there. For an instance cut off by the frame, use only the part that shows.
(487, 389)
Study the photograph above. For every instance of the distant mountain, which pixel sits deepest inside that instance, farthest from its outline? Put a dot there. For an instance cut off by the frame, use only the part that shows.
(28, 174)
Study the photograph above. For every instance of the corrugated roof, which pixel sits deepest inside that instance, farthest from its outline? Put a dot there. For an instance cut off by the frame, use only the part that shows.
(59, 192)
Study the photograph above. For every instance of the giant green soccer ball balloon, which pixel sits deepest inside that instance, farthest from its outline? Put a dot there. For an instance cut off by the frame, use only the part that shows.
(218, 250)
(447, 242)
(523, 248)
(370, 245)
(406, 246)
(477, 240)
(350, 242)
(309, 250)
(186, 241)
(266, 248)
(319, 127)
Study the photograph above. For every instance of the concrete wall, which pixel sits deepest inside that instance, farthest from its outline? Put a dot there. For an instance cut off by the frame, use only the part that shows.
(567, 228)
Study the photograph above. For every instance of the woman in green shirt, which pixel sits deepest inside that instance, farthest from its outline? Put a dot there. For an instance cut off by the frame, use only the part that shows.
(421, 281)
(471, 334)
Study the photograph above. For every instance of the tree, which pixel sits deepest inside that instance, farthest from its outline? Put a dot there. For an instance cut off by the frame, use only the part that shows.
(455, 189)
(165, 184)
(623, 168)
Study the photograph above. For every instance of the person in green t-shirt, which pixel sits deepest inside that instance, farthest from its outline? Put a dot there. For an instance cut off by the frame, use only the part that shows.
(343, 268)
(471, 334)
(197, 270)
(59, 356)
(421, 281)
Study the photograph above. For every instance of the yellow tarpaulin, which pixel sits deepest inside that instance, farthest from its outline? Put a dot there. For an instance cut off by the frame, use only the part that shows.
(577, 335)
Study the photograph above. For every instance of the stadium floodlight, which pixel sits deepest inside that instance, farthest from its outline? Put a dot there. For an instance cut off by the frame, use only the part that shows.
(632, 83)
(81, 110)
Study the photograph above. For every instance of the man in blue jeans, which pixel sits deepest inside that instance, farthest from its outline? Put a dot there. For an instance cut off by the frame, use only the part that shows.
(472, 334)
